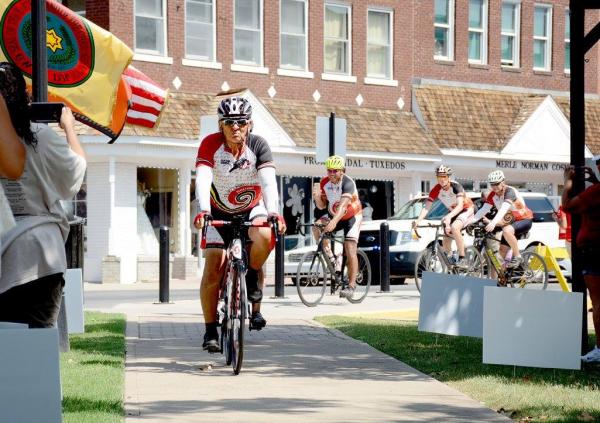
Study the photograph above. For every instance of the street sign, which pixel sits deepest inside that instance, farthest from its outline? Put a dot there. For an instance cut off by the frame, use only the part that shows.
(323, 138)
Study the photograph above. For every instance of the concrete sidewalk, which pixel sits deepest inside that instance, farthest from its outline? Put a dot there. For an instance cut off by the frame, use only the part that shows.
(294, 370)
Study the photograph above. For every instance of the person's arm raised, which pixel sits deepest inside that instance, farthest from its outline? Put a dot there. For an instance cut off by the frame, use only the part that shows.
(67, 123)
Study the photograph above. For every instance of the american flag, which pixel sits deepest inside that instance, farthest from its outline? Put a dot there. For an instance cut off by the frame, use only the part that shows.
(147, 98)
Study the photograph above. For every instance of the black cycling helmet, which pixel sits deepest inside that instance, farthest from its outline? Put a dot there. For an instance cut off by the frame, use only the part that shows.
(234, 108)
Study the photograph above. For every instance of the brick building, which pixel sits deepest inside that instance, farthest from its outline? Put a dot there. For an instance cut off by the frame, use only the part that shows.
(477, 84)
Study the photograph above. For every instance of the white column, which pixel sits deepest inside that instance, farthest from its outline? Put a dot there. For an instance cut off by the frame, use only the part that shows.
(111, 207)
(185, 235)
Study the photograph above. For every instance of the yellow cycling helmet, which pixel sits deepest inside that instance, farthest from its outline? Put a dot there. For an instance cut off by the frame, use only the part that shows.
(335, 162)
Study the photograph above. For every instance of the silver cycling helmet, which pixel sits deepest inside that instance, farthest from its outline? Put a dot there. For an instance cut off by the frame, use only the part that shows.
(234, 107)
(496, 177)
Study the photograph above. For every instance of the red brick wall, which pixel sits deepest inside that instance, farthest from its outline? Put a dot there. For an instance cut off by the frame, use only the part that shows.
(460, 70)
(413, 51)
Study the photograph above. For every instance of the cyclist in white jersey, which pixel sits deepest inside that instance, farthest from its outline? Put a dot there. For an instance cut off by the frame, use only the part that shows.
(452, 195)
(235, 175)
(344, 212)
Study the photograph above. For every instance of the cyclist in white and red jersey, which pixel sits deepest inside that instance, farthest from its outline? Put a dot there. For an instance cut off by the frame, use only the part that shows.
(513, 216)
(235, 175)
(340, 197)
(452, 195)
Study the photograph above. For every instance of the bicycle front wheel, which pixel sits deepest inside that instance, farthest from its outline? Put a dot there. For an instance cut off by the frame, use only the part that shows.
(532, 273)
(237, 321)
(476, 263)
(363, 278)
(427, 261)
(311, 278)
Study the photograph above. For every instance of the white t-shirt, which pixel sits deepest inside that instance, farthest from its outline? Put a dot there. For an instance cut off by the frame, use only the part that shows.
(35, 247)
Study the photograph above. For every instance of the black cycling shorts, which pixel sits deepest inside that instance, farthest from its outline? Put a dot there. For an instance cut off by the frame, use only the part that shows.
(521, 228)
(221, 237)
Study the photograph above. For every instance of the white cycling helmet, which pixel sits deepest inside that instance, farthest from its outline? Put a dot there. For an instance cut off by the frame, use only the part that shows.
(442, 170)
(496, 177)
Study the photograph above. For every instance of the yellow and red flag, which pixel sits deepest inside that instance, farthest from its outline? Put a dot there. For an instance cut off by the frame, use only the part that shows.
(85, 62)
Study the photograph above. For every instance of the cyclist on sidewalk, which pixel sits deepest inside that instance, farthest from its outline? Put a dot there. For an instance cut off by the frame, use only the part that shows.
(513, 216)
(340, 197)
(452, 195)
(235, 176)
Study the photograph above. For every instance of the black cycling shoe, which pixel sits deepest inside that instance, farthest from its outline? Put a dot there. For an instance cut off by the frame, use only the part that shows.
(257, 321)
(211, 342)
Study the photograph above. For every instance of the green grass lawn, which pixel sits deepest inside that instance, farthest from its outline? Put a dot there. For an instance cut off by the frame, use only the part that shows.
(92, 373)
(522, 393)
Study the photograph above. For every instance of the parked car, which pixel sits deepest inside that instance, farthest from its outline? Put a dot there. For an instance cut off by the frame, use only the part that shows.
(404, 247)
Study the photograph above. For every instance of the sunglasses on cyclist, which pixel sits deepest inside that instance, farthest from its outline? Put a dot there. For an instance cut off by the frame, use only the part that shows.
(238, 122)
(496, 184)
(333, 170)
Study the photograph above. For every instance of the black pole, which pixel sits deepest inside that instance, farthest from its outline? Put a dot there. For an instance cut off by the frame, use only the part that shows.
(578, 145)
(332, 134)
(40, 57)
(279, 274)
(384, 257)
(163, 295)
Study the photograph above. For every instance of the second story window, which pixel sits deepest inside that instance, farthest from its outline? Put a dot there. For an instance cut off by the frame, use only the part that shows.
(568, 42)
(542, 37)
(293, 42)
(337, 39)
(478, 31)
(248, 32)
(200, 30)
(444, 29)
(509, 39)
(150, 27)
(379, 44)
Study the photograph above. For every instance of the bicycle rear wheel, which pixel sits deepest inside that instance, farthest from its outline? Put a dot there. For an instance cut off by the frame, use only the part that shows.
(238, 320)
(532, 273)
(363, 278)
(311, 278)
(427, 261)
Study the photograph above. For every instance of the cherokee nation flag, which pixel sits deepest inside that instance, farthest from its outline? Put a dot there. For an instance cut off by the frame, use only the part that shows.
(85, 62)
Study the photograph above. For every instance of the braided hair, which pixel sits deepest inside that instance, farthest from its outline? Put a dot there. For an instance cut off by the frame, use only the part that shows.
(14, 91)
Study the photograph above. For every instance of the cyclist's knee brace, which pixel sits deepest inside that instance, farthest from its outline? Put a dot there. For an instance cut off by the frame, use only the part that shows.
(254, 293)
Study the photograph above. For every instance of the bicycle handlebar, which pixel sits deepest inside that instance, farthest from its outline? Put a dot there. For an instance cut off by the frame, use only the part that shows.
(221, 223)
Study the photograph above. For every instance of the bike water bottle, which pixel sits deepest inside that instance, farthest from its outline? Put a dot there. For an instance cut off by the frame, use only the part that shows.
(338, 262)
(508, 257)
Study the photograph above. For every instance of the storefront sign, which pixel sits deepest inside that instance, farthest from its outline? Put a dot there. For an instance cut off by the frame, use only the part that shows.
(536, 166)
(363, 163)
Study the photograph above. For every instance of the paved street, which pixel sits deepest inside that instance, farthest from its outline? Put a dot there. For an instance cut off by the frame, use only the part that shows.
(294, 370)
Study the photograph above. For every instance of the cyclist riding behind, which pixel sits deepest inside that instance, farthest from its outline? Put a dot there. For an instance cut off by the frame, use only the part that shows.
(513, 216)
(235, 176)
(452, 195)
(340, 197)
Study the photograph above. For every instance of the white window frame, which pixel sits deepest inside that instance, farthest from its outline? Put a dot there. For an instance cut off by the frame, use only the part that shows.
(192, 58)
(243, 65)
(484, 34)
(516, 62)
(450, 27)
(328, 75)
(547, 38)
(306, 28)
(142, 54)
(567, 39)
(390, 47)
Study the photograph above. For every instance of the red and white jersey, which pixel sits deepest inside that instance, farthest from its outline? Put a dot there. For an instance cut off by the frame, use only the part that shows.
(511, 195)
(240, 190)
(450, 195)
(333, 193)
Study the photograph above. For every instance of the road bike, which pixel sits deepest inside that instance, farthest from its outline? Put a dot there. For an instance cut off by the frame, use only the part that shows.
(435, 259)
(532, 272)
(233, 307)
(327, 267)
